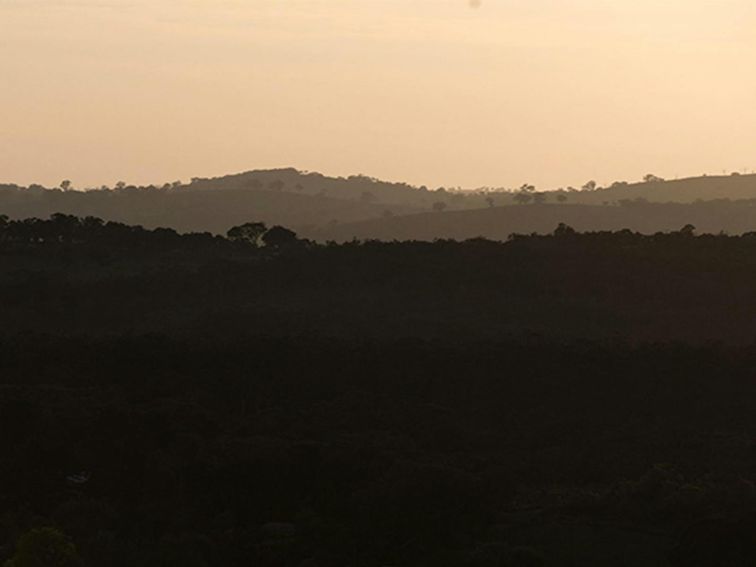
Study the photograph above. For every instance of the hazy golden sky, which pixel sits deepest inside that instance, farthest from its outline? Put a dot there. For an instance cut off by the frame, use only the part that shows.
(435, 92)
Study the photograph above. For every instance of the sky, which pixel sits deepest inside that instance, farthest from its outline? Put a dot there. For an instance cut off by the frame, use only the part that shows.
(433, 92)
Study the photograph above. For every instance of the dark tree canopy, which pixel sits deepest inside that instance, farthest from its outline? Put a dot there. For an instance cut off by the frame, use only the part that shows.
(249, 233)
(280, 237)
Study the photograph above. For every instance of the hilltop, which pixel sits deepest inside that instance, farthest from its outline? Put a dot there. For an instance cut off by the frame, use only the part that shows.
(369, 189)
(207, 207)
(688, 190)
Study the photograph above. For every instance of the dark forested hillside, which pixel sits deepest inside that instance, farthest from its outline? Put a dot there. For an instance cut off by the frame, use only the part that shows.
(571, 399)
(85, 276)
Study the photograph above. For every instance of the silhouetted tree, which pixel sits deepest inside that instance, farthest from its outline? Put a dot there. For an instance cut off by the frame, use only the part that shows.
(590, 186)
(651, 178)
(490, 202)
(439, 206)
(249, 233)
(280, 237)
(65, 184)
(564, 230)
(561, 197)
(63, 227)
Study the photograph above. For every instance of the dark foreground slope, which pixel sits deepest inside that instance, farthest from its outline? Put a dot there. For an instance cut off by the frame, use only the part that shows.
(311, 452)
(189, 400)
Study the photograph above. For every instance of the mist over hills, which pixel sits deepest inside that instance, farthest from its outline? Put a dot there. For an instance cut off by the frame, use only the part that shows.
(331, 208)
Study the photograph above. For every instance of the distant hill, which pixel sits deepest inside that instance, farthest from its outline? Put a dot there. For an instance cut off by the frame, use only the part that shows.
(193, 210)
(360, 187)
(353, 188)
(340, 208)
(498, 223)
(689, 190)
(291, 180)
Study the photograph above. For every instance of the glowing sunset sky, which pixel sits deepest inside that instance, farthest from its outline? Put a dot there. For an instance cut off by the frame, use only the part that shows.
(433, 92)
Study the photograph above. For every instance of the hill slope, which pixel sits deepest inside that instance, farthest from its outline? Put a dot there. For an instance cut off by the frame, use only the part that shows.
(499, 222)
(201, 210)
(341, 208)
(360, 187)
(705, 188)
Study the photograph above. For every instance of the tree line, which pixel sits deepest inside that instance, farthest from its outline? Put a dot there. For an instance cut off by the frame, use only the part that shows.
(69, 229)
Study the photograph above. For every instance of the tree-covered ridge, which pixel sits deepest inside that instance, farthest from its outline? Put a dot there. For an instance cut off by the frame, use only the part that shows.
(567, 284)
(317, 206)
(63, 229)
